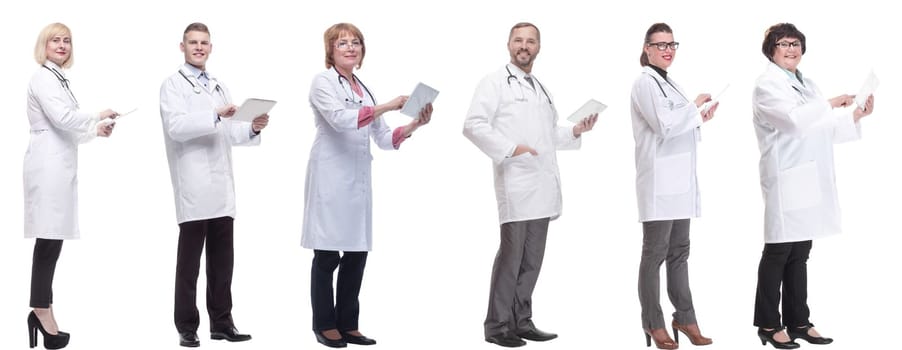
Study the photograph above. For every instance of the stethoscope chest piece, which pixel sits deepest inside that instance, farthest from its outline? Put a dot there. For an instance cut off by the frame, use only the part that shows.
(196, 89)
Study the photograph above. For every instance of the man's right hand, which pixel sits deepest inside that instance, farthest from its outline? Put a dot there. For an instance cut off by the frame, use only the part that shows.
(523, 149)
(226, 111)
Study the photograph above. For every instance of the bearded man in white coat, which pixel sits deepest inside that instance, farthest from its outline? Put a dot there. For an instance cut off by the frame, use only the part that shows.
(512, 119)
(199, 135)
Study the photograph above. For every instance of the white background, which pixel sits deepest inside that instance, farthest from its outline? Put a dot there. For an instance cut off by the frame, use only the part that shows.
(436, 229)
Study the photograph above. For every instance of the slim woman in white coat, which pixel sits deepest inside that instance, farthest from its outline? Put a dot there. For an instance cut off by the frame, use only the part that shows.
(666, 126)
(51, 196)
(796, 128)
(337, 195)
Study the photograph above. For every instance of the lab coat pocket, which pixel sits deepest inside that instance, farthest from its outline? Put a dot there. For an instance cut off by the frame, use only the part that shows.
(520, 172)
(673, 174)
(800, 187)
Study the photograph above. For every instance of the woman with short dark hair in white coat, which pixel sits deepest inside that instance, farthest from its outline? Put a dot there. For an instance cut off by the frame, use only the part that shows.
(338, 198)
(51, 196)
(796, 128)
(666, 128)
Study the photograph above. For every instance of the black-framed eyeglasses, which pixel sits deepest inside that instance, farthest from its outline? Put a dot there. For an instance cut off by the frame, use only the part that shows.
(788, 44)
(673, 45)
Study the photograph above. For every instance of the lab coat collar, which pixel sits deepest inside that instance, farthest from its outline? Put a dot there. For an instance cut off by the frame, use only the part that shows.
(654, 73)
(195, 72)
(521, 75)
(50, 64)
(796, 80)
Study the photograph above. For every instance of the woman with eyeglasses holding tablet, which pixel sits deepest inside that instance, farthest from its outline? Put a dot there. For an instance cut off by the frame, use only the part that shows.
(666, 127)
(338, 194)
(796, 128)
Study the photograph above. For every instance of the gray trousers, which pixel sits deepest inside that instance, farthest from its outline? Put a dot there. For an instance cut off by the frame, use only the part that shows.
(666, 240)
(514, 276)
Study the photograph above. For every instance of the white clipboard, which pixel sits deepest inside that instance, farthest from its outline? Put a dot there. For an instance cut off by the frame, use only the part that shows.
(867, 89)
(716, 99)
(124, 114)
(252, 108)
(590, 107)
(422, 95)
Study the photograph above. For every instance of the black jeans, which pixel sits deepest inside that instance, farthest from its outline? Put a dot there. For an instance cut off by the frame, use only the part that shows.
(218, 234)
(786, 264)
(344, 312)
(43, 265)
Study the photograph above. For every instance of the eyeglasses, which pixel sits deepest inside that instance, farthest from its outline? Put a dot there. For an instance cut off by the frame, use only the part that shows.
(345, 45)
(788, 44)
(673, 45)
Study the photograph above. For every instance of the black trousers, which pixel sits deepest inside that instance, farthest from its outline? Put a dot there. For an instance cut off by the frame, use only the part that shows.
(344, 311)
(43, 265)
(786, 264)
(218, 234)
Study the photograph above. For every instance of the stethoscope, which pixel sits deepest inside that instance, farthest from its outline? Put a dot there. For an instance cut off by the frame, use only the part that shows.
(196, 86)
(523, 95)
(349, 95)
(669, 102)
(63, 81)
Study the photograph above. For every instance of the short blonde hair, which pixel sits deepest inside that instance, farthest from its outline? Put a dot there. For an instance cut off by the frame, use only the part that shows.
(333, 33)
(50, 31)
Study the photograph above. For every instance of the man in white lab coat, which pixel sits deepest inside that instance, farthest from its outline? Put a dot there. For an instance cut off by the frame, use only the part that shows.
(195, 108)
(512, 119)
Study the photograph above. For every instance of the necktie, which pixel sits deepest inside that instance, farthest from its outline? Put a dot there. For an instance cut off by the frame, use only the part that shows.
(529, 80)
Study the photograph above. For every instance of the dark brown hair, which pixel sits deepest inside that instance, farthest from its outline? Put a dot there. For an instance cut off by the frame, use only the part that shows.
(779, 31)
(655, 28)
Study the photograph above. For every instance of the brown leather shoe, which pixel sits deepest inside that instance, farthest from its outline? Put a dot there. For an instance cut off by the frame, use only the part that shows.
(662, 339)
(691, 331)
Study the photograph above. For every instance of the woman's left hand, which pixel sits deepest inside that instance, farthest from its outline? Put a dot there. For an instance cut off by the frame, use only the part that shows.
(425, 117)
(105, 129)
(709, 113)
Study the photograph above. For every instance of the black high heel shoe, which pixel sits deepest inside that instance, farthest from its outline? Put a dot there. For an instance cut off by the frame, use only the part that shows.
(51, 341)
(768, 337)
(332, 343)
(802, 332)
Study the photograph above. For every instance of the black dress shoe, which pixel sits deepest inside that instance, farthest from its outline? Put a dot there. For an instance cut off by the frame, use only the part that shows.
(802, 332)
(189, 339)
(337, 343)
(536, 335)
(359, 340)
(230, 334)
(508, 340)
(768, 337)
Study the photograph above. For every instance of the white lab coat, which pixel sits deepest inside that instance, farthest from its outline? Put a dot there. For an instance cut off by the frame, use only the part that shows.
(51, 162)
(796, 129)
(666, 130)
(502, 116)
(199, 147)
(338, 196)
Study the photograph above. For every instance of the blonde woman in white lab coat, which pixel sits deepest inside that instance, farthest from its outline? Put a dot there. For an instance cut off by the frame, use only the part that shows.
(796, 128)
(338, 195)
(50, 171)
(666, 127)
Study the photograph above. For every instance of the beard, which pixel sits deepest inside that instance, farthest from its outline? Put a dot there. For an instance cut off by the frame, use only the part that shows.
(521, 60)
